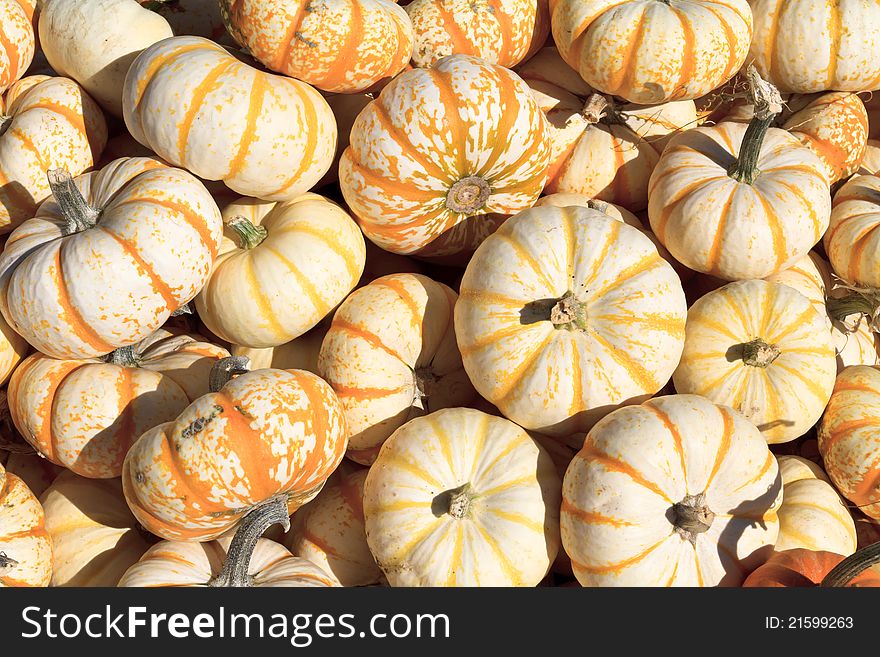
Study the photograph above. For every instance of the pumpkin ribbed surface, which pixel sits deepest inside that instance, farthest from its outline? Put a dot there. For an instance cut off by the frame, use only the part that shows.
(25, 546)
(16, 42)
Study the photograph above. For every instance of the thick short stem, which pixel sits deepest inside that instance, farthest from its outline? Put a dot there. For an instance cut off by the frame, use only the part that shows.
(125, 356)
(78, 214)
(759, 353)
(851, 567)
(768, 104)
(425, 385)
(468, 195)
(183, 310)
(225, 369)
(249, 235)
(250, 529)
(692, 516)
(460, 502)
(7, 564)
(569, 313)
(594, 108)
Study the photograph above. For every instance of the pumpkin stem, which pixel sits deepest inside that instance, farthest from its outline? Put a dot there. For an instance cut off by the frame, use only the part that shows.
(7, 564)
(78, 214)
(692, 516)
(225, 369)
(862, 301)
(758, 353)
(768, 103)
(850, 568)
(594, 108)
(569, 313)
(251, 527)
(425, 386)
(460, 501)
(468, 195)
(125, 356)
(5, 122)
(183, 310)
(249, 235)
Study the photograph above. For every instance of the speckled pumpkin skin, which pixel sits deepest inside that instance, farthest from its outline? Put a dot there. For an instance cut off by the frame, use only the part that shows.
(17, 42)
(84, 295)
(852, 238)
(264, 433)
(23, 535)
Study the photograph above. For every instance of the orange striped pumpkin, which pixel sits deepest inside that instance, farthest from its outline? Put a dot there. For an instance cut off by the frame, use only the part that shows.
(585, 127)
(391, 355)
(17, 43)
(299, 354)
(25, 546)
(183, 563)
(36, 471)
(127, 246)
(503, 32)
(197, 106)
(462, 498)
(566, 313)
(346, 108)
(95, 538)
(13, 348)
(853, 238)
(849, 439)
(265, 433)
(762, 349)
(438, 151)
(736, 228)
(53, 106)
(95, 43)
(650, 52)
(342, 46)
(281, 268)
(812, 516)
(676, 492)
(329, 530)
(836, 48)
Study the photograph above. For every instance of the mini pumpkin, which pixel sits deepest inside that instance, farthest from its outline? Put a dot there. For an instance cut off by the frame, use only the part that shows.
(800, 567)
(25, 547)
(17, 43)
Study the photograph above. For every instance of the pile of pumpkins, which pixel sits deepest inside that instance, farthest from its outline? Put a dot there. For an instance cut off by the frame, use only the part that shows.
(439, 293)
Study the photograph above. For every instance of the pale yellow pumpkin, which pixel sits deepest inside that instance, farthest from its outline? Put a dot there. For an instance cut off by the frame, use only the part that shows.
(812, 516)
(329, 530)
(853, 238)
(676, 492)
(462, 498)
(762, 349)
(95, 537)
(391, 355)
(281, 268)
(565, 314)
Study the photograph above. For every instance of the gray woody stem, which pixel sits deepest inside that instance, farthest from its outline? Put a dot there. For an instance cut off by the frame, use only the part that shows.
(78, 214)
(226, 368)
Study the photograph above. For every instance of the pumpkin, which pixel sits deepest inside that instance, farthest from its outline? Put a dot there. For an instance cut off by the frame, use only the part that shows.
(95, 538)
(108, 258)
(566, 199)
(95, 43)
(849, 440)
(281, 268)
(35, 470)
(503, 32)
(800, 567)
(329, 530)
(870, 163)
(836, 48)
(198, 107)
(812, 515)
(586, 128)
(565, 314)
(192, 18)
(462, 498)
(440, 149)
(739, 202)
(264, 433)
(762, 349)
(338, 46)
(867, 530)
(387, 372)
(852, 237)
(48, 123)
(678, 491)
(25, 546)
(299, 354)
(17, 44)
(648, 52)
(85, 414)
(12, 349)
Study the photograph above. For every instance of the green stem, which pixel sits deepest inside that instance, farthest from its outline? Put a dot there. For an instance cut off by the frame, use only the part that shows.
(249, 235)
(759, 353)
(852, 304)
(768, 104)
(78, 214)
(569, 313)
(250, 529)
(226, 368)
(850, 568)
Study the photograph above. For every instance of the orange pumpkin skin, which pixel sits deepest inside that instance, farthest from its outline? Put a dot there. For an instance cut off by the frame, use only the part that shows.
(439, 151)
(803, 568)
(23, 535)
(342, 46)
(265, 433)
(17, 42)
